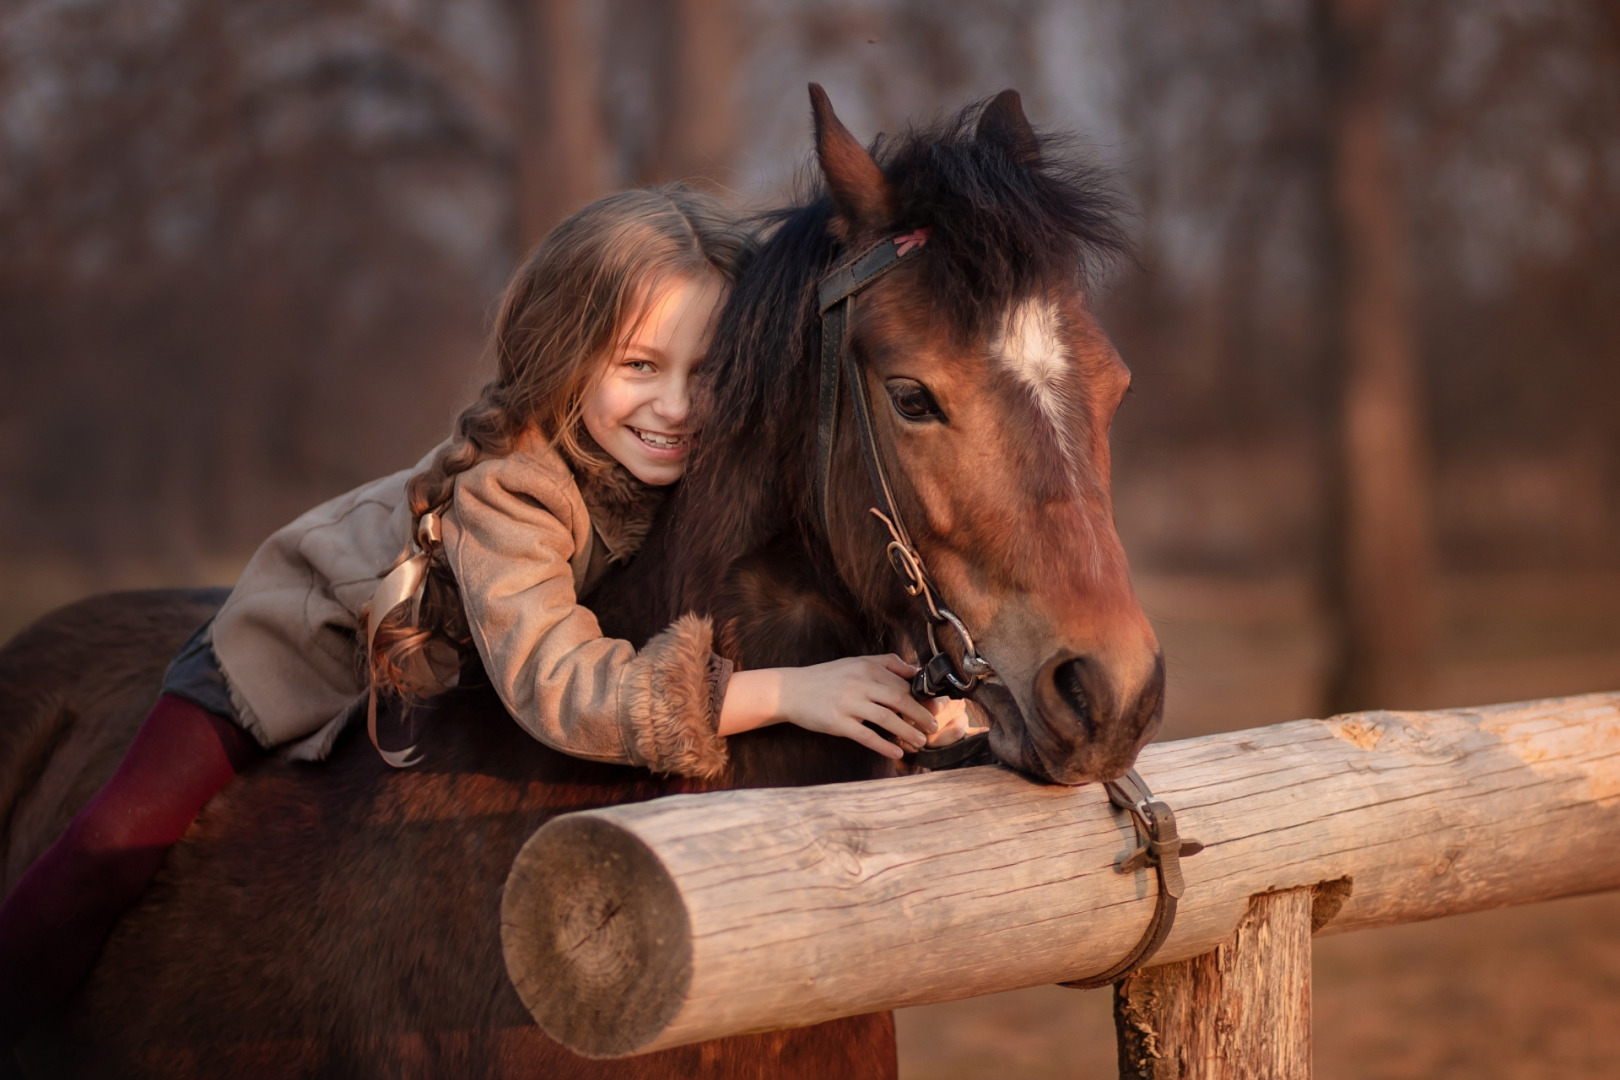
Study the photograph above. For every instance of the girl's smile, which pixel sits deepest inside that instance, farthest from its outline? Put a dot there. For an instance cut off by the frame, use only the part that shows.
(637, 410)
(661, 443)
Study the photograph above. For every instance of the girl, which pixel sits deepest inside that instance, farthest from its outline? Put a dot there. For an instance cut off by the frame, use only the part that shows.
(487, 546)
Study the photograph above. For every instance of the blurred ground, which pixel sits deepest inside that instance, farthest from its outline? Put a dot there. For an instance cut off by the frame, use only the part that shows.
(1520, 993)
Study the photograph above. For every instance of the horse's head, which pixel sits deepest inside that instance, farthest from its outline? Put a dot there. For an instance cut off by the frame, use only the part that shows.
(992, 390)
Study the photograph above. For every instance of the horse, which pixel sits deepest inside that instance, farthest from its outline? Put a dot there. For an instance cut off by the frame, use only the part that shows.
(342, 918)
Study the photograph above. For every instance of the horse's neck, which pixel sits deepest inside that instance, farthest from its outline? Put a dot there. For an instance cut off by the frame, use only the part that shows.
(779, 607)
(633, 601)
(772, 608)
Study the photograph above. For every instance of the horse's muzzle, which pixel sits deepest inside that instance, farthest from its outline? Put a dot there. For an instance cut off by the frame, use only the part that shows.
(1080, 729)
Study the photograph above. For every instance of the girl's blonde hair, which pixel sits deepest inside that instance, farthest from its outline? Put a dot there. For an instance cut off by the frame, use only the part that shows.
(565, 310)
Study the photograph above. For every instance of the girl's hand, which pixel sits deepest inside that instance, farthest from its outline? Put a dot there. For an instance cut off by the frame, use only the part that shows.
(842, 697)
(955, 721)
(837, 698)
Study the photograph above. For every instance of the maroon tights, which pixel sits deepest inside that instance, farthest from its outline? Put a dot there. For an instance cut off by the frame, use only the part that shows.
(55, 921)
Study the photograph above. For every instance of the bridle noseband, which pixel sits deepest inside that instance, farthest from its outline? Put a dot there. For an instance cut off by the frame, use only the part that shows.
(941, 675)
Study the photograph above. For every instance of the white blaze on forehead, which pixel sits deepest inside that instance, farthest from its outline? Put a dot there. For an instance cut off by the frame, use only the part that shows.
(1030, 346)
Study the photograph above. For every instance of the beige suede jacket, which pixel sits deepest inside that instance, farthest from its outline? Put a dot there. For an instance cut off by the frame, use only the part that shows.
(525, 542)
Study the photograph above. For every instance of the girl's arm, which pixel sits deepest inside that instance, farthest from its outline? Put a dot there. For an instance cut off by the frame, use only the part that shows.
(836, 698)
(508, 538)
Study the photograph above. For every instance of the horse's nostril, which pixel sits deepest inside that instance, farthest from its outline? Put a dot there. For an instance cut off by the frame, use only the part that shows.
(1071, 688)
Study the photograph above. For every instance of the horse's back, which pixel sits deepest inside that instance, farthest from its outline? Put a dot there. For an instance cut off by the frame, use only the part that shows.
(342, 919)
(74, 686)
(324, 920)
(334, 919)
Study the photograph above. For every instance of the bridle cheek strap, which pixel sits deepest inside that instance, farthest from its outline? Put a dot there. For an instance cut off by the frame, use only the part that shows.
(940, 675)
(836, 300)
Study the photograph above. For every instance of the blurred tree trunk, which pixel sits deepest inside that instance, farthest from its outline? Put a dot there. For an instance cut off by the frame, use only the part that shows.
(1381, 561)
(564, 146)
(698, 135)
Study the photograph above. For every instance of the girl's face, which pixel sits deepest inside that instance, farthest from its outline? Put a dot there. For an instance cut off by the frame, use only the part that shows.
(637, 410)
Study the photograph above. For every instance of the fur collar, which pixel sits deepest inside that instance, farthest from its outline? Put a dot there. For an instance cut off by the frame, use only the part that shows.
(622, 508)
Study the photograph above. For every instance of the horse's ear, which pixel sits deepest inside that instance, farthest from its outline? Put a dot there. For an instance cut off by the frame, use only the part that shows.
(864, 199)
(1003, 123)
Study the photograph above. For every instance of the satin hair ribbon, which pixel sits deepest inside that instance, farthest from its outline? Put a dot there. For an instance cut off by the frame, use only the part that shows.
(404, 582)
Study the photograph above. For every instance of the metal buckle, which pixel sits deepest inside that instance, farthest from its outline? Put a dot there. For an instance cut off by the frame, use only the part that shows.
(959, 681)
(1160, 845)
(940, 675)
(935, 678)
(973, 665)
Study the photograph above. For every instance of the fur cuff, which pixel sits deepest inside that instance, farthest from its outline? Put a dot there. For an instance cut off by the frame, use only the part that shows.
(672, 702)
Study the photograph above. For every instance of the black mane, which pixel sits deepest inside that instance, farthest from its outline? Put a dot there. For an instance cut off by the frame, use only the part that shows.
(1000, 229)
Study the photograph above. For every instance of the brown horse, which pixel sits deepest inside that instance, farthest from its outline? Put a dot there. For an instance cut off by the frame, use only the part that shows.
(342, 919)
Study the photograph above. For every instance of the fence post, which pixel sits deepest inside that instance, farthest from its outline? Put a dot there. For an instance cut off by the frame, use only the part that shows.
(1240, 1012)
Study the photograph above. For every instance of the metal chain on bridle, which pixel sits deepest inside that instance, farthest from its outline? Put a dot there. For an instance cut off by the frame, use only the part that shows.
(1159, 845)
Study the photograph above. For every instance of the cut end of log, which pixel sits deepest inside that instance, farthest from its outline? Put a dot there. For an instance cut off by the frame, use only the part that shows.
(596, 936)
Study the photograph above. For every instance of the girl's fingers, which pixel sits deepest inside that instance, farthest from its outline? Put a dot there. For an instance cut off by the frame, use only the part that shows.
(918, 715)
(899, 700)
(870, 739)
(898, 666)
(874, 713)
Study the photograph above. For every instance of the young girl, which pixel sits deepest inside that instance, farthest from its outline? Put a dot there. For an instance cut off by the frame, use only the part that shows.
(487, 546)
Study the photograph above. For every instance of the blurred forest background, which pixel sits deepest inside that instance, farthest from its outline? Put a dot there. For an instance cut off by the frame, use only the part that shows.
(248, 253)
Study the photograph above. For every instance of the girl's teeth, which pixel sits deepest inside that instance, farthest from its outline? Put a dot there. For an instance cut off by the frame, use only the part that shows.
(661, 441)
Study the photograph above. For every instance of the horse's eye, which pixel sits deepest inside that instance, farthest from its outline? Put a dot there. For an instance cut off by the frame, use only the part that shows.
(912, 400)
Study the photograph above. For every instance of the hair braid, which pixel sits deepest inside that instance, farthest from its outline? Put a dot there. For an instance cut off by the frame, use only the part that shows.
(485, 429)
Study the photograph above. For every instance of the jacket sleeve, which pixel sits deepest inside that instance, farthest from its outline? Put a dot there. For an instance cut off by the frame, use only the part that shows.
(509, 546)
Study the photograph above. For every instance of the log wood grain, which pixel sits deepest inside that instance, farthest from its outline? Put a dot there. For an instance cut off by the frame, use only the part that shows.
(743, 911)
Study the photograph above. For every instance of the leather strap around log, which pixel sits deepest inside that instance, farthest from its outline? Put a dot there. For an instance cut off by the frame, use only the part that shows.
(1160, 847)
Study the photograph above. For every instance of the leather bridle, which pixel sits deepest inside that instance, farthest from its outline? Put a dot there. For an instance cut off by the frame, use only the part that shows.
(1159, 846)
(941, 675)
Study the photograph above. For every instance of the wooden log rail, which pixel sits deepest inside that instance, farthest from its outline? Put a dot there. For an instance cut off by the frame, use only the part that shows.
(641, 927)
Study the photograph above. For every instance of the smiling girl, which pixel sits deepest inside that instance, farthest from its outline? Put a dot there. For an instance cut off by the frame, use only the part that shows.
(481, 555)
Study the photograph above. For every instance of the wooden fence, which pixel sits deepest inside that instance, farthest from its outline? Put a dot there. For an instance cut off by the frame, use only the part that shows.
(640, 927)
